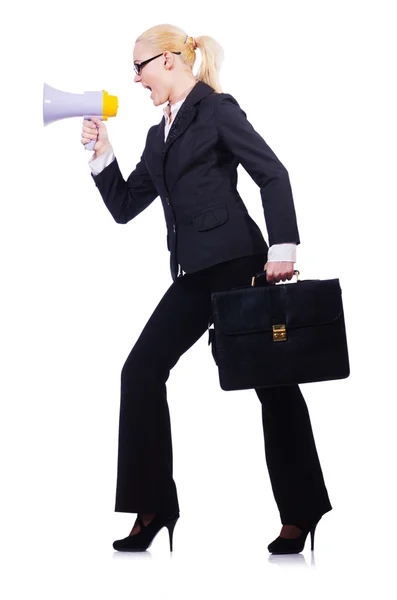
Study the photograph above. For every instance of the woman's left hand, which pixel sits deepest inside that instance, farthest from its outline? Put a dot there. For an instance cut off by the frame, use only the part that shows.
(279, 271)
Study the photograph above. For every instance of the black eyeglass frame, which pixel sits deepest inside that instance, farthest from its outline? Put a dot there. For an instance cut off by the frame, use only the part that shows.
(139, 66)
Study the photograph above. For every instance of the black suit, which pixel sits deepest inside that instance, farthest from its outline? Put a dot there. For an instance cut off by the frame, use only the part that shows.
(195, 174)
(219, 246)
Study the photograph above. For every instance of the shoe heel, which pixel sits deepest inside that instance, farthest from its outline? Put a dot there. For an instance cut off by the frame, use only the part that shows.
(312, 536)
(170, 526)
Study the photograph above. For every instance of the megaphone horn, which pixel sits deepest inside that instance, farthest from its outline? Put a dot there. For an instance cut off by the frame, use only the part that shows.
(62, 105)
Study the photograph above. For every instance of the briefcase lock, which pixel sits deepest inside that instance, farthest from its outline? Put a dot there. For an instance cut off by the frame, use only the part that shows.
(279, 333)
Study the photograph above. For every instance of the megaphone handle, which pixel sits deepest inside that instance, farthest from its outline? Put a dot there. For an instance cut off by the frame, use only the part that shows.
(90, 145)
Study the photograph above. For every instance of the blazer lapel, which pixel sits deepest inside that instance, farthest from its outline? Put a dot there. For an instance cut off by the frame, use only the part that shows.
(181, 122)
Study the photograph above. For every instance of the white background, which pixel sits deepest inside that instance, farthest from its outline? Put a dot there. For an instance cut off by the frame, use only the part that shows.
(316, 80)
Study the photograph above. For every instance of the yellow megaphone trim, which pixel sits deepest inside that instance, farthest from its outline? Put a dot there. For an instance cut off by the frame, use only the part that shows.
(109, 105)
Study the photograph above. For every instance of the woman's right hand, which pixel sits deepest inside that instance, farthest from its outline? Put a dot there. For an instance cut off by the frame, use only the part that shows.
(90, 132)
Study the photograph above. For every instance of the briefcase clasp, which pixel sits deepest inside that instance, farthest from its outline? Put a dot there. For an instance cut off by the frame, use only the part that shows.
(279, 333)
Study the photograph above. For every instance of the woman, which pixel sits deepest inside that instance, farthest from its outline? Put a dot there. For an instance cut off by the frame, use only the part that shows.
(190, 160)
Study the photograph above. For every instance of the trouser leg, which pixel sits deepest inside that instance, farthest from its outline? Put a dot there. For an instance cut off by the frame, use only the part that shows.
(294, 467)
(291, 455)
(145, 464)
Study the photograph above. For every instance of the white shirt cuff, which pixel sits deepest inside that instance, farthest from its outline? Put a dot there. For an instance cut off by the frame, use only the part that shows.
(282, 252)
(98, 164)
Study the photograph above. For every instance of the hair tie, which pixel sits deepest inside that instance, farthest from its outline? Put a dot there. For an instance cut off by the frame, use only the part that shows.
(191, 42)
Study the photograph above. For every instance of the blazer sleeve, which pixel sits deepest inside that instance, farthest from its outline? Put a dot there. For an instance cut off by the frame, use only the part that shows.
(125, 199)
(240, 138)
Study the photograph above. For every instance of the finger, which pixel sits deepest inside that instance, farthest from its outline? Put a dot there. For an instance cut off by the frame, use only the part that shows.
(90, 135)
(286, 276)
(87, 123)
(90, 127)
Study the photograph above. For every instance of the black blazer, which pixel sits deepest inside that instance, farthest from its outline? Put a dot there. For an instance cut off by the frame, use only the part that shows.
(195, 174)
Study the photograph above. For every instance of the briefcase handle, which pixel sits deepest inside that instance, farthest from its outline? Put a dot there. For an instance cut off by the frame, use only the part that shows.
(261, 276)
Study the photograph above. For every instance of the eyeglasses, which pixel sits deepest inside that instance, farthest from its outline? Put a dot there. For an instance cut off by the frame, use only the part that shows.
(138, 67)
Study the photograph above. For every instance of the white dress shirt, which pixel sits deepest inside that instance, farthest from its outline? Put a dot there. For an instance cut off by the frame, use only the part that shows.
(277, 252)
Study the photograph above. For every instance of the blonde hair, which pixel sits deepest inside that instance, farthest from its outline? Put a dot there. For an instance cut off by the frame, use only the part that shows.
(169, 37)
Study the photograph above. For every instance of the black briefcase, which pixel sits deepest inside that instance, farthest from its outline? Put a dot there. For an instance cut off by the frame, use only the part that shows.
(268, 334)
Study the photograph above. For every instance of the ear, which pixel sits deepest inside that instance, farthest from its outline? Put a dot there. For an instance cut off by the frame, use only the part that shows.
(168, 58)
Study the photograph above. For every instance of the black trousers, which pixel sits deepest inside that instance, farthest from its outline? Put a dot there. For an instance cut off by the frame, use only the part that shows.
(144, 471)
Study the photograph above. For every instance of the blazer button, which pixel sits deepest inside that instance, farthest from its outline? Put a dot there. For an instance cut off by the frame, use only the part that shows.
(173, 227)
(167, 200)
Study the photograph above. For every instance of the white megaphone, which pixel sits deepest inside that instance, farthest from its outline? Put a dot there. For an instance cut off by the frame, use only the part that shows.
(62, 105)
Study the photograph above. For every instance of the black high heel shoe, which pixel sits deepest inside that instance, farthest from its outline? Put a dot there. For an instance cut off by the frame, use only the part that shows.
(294, 545)
(143, 539)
